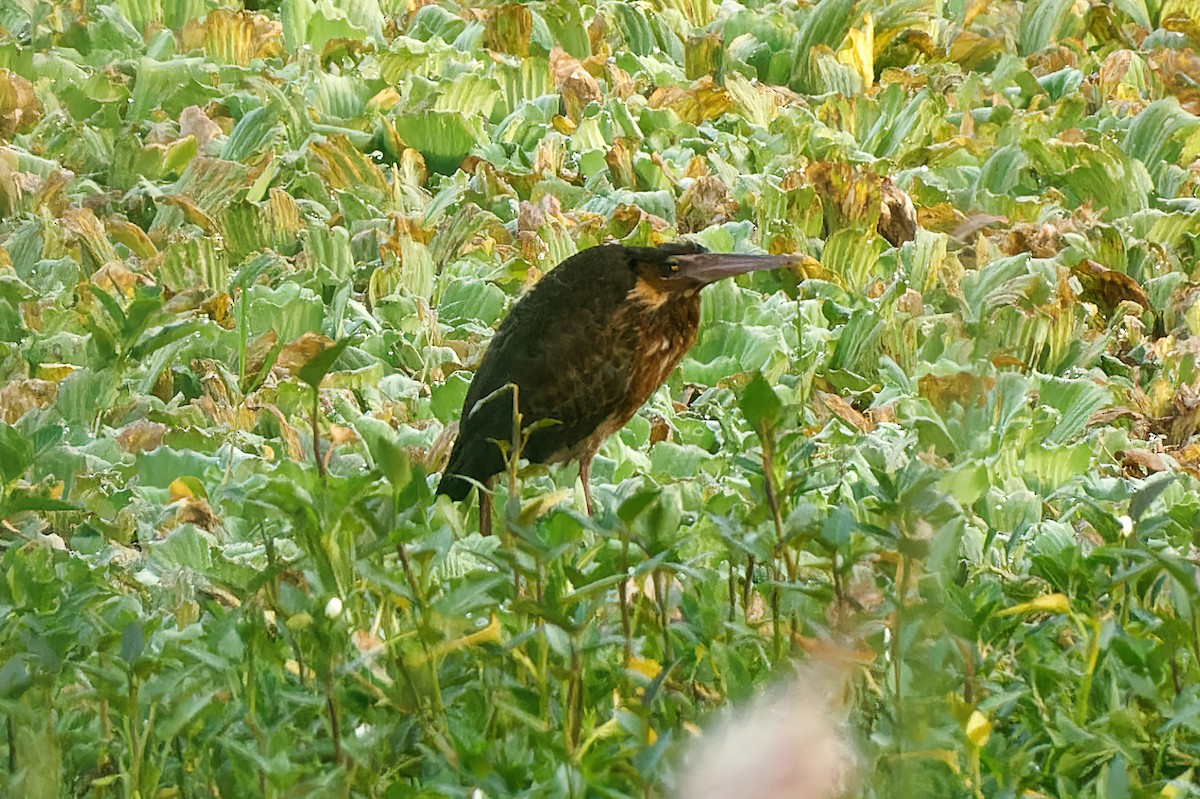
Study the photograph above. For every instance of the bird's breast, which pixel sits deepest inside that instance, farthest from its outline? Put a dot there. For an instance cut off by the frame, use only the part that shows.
(657, 334)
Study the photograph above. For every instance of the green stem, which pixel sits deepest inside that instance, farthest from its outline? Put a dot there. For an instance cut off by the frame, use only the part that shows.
(335, 723)
(623, 597)
(316, 435)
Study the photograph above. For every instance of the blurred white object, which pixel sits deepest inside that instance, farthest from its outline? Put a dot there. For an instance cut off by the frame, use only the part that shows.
(793, 742)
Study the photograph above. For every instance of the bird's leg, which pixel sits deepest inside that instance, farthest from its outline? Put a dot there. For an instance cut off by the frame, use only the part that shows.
(585, 472)
(485, 508)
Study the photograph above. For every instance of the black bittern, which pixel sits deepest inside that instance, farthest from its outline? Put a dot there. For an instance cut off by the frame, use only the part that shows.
(585, 348)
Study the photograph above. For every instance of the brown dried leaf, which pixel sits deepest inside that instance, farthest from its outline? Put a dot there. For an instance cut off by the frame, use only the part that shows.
(884, 413)
(897, 215)
(960, 388)
(19, 106)
(508, 29)
(829, 652)
(85, 230)
(531, 246)
(620, 163)
(621, 85)
(701, 101)
(113, 277)
(597, 29)
(911, 302)
(194, 122)
(49, 194)
(660, 430)
(236, 417)
(258, 351)
(1140, 423)
(21, 396)
(1039, 240)
(1108, 286)
(852, 196)
(1186, 420)
(439, 452)
(706, 202)
(290, 436)
(1179, 71)
(1140, 462)
(193, 511)
(974, 223)
(141, 436)
(1189, 459)
(576, 86)
(846, 412)
(1052, 59)
(296, 355)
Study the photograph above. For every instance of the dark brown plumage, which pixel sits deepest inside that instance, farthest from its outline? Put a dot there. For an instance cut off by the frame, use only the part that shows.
(586, 347)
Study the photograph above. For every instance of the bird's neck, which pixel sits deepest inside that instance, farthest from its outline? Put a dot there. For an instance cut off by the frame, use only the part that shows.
(666, 326)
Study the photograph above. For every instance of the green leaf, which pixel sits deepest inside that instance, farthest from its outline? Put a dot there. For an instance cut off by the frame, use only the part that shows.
(1040, 23)
(760, 404)
(826, 23)
(444, 138)
(253, 134)
(315, 370)
(16, 453)
(133, 641)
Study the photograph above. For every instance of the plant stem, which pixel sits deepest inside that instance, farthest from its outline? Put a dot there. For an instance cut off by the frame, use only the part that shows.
(662, 585)
(902, 590)
(768, 464)
(419, 604)
(732, 591)
(747, 586)
(335, 724)
(574, 700)
(623, 597)
(316, 435)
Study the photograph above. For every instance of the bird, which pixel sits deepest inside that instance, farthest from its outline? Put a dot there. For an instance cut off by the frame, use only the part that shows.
(584, 349)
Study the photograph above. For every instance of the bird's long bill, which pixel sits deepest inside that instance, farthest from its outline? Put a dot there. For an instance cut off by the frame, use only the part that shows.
(708, 267)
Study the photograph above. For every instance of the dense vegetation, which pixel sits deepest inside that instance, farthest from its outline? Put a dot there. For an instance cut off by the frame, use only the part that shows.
(248, 258)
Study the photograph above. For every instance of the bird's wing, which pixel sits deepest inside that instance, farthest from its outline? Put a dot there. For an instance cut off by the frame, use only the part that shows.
(558, 348)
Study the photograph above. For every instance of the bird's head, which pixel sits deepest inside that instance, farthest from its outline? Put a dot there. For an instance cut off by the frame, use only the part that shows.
(688, 267)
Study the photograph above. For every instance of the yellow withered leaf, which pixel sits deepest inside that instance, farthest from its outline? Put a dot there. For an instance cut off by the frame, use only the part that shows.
(192, 212)
(125, 232)
(86, 230)
(701, 101)
(1047, 603)
(185, 488)
(978, 729)
(488, 635)
(508, 29)
(647, 667)
(54, 372)
(859, 52)
(19, 106)
(234, 36)
(539, 506)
